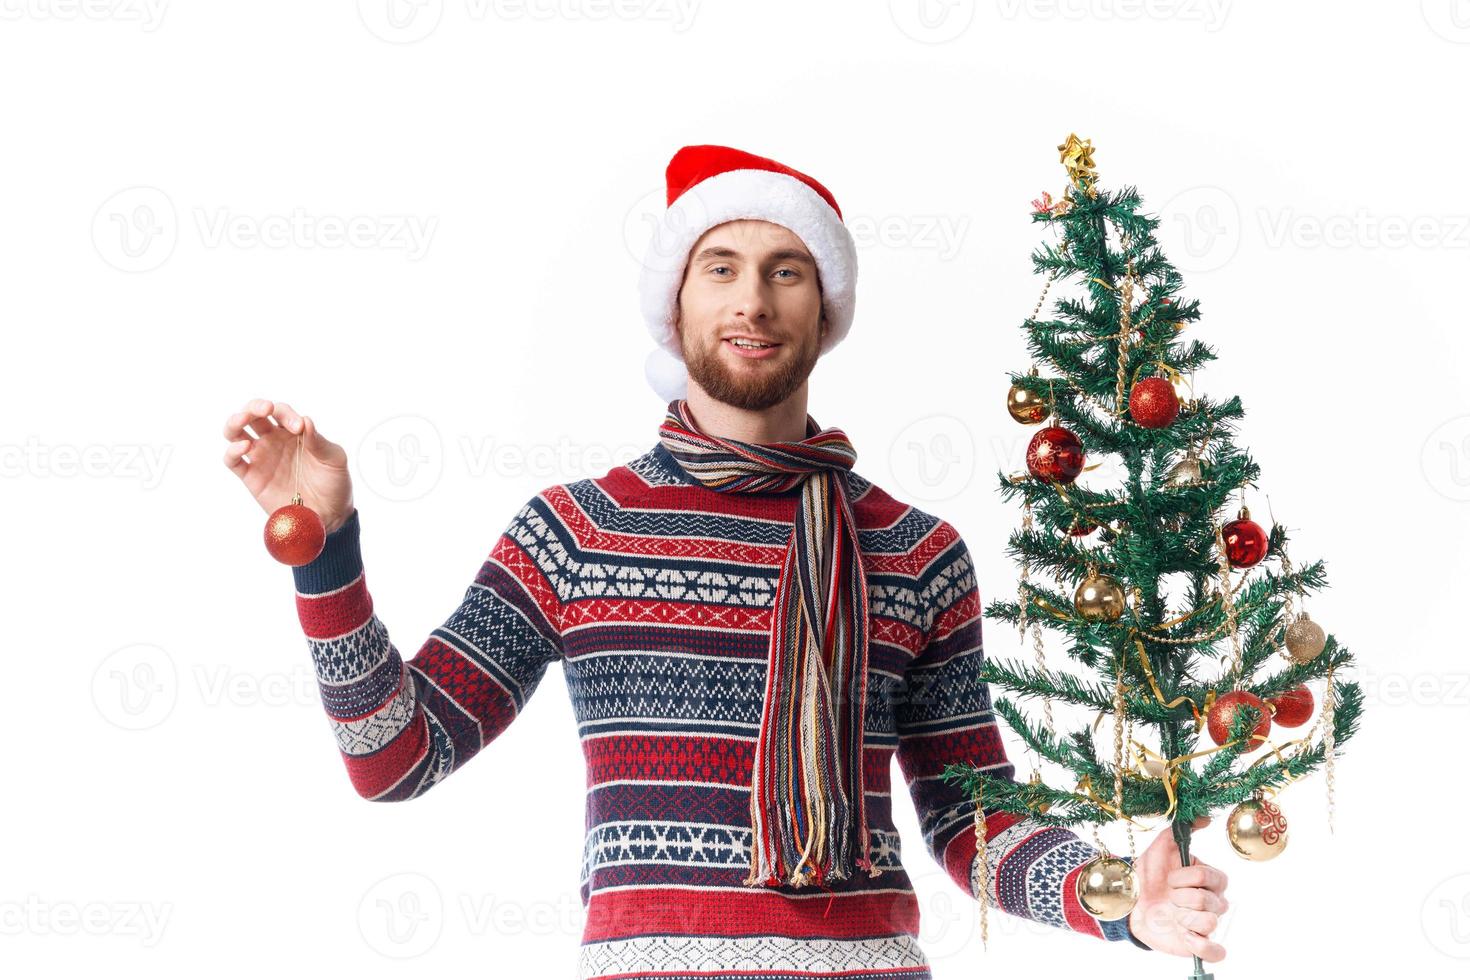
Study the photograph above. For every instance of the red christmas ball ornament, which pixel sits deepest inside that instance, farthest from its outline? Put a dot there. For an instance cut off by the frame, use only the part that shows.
(1081, 528)
(1222, 715)
(1245, 540)
(1153, 403)
(1054, 455)
(1293, 708)
(294, 533)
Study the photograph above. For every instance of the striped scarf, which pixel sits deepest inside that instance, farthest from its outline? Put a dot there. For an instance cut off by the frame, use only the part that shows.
(807, 806)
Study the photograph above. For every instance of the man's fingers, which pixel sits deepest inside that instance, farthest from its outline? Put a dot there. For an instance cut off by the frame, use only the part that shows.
(286, 415)
(1199, 898)
(312, 438)
(256, 412)
(1198, 876)
(1202, 923)
(235, 425)
(320, 446)
(1206, 949)
(235, 457)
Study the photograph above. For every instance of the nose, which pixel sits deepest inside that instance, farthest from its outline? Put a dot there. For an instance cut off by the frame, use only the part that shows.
(753, 300)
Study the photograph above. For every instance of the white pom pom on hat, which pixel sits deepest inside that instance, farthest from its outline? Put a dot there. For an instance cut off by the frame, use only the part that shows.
(666, 374)
(709, 185)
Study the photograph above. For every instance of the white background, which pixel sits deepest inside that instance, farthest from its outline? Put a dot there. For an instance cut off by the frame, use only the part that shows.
(175, 804)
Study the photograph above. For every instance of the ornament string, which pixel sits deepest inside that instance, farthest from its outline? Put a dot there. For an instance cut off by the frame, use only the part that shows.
(1228, 598)
(1329, 707)
(296, 469)
(982, 867)
(1125, 335)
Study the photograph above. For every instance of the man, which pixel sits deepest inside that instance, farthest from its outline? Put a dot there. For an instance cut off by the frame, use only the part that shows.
(750, 631)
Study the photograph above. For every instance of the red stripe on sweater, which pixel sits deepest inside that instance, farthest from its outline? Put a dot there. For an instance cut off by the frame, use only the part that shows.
(959, 614)
(700, 911)
(874, 510)
(1077, 916)
(685, 757)
(335, 613)
(960, 853)
(894, 971)
(615, 610)
(927, 755)
(373, 775)
(508, 553)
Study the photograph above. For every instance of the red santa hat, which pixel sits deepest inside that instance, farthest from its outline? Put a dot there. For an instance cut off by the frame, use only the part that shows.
(710, 185)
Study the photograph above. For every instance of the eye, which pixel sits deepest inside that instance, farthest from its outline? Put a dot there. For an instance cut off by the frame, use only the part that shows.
(792, 271)
(717, 268)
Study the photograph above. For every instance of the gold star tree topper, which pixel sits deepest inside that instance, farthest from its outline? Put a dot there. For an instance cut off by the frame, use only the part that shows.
(1076, 156)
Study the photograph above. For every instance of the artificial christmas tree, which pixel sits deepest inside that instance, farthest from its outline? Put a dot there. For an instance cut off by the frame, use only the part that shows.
(1180, 612)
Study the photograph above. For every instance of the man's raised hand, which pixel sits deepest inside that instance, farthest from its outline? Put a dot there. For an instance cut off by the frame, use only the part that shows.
(267, 432)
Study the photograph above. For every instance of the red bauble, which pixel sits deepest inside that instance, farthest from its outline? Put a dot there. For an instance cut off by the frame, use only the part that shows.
(294, 534)
(1245, 540)
(1081, 528)
(1054, 455)
(1222, 714)
(1293, 707)
(1153, 403)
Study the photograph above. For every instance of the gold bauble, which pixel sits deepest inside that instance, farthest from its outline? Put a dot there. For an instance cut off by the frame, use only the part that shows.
(1257, 830)
(1028, 407)
(1304, 639)
(1186, 472)
(1099, 599)
(1107, 887)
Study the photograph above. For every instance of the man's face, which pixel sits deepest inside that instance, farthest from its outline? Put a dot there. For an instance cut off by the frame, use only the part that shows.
(753, 280)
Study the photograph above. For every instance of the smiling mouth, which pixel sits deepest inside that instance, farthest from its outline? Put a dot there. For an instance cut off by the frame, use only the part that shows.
(742, 343)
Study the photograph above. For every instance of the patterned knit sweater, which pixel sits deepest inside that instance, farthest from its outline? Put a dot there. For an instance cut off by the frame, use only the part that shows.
(654, 594)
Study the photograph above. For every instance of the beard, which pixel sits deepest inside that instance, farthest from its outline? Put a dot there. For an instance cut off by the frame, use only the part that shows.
(757, 386)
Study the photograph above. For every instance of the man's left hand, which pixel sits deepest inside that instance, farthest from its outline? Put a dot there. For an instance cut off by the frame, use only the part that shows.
(1178, 907)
